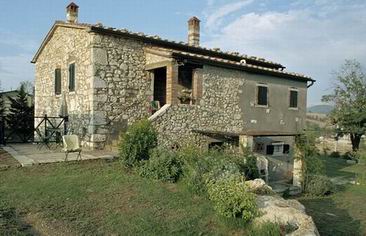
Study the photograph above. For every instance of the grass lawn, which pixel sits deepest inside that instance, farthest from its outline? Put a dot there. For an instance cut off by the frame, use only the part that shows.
(343, 213)
(6, 160)
(100, 197)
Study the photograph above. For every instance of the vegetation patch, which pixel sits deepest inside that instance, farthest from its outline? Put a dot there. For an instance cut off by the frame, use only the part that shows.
(137, 142)
(6, 160)
(231, 198)
(162, 165)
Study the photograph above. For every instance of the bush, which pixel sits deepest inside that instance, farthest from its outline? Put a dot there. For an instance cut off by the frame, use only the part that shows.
(200, 167)
(352, 156)
(314, 165)
(231, 199)
(136, 143)
(162, 165)
(318, 185)
(250, 168)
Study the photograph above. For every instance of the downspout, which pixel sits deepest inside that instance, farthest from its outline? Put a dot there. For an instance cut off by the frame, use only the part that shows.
(311, 83)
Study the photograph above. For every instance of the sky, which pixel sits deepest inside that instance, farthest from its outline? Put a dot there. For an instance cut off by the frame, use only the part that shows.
(312, 37)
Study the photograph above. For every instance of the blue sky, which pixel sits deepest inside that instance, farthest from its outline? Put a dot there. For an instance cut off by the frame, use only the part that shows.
(313, 37)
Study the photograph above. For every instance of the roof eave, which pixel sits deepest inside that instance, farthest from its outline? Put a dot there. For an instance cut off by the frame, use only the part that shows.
(180, 46)
(243, 67)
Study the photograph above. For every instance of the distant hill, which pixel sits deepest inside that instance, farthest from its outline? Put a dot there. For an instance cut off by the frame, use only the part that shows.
(323, 109)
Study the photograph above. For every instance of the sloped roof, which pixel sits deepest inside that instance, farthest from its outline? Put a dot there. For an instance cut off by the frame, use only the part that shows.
(234, 59)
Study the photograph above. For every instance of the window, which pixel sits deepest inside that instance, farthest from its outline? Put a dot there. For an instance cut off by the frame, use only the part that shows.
(72, 77)
(262, 98)
(269, 149)
(58, 81)
(286, 148)
(293, 98)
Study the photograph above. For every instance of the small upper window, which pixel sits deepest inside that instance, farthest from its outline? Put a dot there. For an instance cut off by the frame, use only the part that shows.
(293, 98)
(262, 97)
(72, 77)
(58, 81)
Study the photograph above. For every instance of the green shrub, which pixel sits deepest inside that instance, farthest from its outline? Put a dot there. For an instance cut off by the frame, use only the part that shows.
(136, 143)
(231, 199)
(162, 165)
(250, 168)
(318, 185)
(314, 165)
(353, 155)
(201, 167)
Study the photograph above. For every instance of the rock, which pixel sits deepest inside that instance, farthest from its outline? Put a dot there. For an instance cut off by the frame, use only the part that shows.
(286, 212)
(260, 187)
(351, 162)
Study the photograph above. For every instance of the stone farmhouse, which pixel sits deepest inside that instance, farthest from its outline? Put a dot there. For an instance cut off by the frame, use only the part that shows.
(109, 78)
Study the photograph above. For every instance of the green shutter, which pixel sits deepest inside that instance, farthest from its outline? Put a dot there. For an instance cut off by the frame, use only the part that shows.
(58, 81)
(72, 77)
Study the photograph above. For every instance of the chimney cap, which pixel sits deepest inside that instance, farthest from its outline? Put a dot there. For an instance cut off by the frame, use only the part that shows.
(194, 18)
(72, 5)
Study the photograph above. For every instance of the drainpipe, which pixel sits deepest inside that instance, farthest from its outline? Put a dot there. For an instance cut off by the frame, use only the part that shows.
(311, 83)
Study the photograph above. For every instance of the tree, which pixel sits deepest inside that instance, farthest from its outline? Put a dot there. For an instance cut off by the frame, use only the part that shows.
(28, 87)
(2, 104)
(20, 117)
(349, 98)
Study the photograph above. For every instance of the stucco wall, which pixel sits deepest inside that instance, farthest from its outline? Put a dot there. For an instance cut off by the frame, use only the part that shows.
(277, 116)
(66, 46)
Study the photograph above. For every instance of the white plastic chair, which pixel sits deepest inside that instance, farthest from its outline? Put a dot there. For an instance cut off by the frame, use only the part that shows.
(71, 144)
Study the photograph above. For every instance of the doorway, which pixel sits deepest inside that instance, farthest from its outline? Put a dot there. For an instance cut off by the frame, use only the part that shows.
(159, 90)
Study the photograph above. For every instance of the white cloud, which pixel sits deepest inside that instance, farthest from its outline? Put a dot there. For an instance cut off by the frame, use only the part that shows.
(214, 20)
(313, 39)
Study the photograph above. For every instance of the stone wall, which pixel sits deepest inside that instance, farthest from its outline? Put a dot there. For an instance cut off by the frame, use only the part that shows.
(112, 88)
(66, 46)
(121, 86)
(217, 110)
(225, 106)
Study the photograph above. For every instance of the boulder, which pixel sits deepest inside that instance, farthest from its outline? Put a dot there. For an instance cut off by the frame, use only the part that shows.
(287, 213)
(258, 186)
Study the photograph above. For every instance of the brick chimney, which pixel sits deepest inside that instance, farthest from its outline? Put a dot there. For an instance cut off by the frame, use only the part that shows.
(194, 31)
(72, 11)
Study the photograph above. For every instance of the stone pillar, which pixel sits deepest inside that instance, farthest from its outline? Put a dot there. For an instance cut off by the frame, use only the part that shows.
(298, 170)
(171, 83)
(246, 141)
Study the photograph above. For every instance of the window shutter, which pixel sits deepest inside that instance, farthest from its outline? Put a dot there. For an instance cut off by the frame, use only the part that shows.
(270, 150)
(58, 81)
(286, 148)
(72, 77)
(293, 98)
(262, 95)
